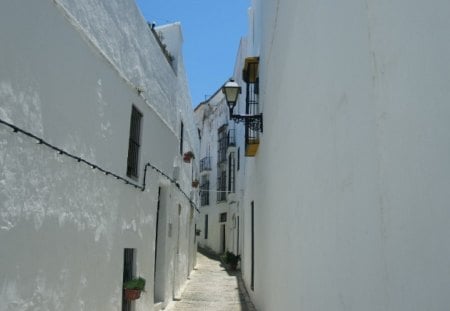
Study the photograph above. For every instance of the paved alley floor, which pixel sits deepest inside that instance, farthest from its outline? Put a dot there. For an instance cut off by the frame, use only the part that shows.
(212, 288)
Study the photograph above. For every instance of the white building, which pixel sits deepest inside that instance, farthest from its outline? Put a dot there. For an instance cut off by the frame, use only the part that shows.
(347, 197)
(95, 117)
(219, 173)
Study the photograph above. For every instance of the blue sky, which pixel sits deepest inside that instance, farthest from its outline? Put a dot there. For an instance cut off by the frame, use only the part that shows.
(211, 31)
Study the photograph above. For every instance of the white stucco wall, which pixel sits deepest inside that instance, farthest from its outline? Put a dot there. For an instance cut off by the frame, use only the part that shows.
(118, 29)
(350, 179)
(63, 225)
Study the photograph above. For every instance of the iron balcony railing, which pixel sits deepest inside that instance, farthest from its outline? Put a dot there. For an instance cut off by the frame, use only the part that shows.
(205, 164)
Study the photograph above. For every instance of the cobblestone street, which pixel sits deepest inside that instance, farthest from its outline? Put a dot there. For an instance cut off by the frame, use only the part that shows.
(211, 287)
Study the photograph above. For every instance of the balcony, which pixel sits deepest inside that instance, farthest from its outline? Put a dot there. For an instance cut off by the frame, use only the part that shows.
(205, 164)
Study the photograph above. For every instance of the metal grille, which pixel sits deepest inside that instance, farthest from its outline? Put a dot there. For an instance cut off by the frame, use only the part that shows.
(223, 217)
(204, 191)
(231, 173)
(222, 186)
(252, 108)
(134, 143)
(205, 164)
(222, 144)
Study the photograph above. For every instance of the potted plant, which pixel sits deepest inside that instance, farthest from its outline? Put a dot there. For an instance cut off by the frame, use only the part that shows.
(231, 259)
(132, 289)
(188, 156)
(234, 260)
(195, 183)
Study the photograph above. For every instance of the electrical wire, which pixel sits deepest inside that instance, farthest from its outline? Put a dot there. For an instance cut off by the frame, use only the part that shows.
(41, 141)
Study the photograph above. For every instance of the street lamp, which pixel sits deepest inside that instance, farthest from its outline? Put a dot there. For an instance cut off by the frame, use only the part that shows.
(232, 90)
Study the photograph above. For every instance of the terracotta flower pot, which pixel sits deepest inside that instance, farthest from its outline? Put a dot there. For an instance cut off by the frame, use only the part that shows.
(132, 294)
(186, 159)
(188, 156)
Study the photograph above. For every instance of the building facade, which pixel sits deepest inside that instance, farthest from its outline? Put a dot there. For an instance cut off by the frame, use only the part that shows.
(219, 167)
(346, 198)
(95, 119)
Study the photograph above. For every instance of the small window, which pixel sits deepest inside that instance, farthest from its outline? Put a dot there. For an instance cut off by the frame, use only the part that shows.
(223, 217)
(134, 143)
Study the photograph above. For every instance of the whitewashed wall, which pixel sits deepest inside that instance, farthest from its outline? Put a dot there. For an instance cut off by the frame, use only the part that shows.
(351, 179)
(118, 29)
(63, 225)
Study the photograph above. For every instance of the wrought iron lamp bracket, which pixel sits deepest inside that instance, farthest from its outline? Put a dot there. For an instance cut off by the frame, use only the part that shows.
(254, 122)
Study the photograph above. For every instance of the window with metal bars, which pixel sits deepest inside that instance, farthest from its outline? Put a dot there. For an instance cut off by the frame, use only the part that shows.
(205, 164)
(204, 190)
(231, 173)
(252, 108)
(222, 186)
(134, 143)
(222, 144)
(223, 217)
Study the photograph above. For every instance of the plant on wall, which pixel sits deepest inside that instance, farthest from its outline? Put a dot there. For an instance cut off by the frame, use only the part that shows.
(188, 156)
(231, 259)
(133, 288)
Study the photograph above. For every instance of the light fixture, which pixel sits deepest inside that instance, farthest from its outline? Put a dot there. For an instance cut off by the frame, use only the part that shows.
(232, 90)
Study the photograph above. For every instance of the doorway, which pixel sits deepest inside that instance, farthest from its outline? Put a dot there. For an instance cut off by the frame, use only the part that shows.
(237, 240)
(223, 239)
(155, 281)
(176, 272)
(191, 242)
(161, 224)
(252, 282)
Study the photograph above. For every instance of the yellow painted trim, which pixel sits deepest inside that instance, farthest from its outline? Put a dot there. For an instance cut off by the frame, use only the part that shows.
(251, 148)
(250, 71)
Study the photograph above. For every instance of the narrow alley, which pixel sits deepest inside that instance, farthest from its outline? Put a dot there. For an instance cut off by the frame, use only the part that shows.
(212, 287)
